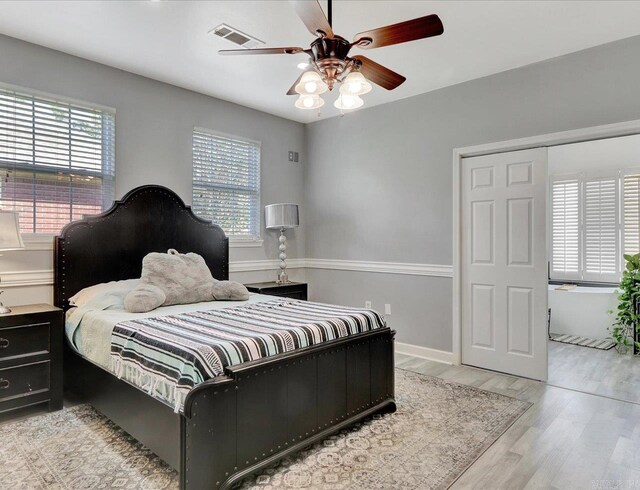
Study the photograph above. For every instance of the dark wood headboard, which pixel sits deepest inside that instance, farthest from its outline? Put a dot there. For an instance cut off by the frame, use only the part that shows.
(110, 246)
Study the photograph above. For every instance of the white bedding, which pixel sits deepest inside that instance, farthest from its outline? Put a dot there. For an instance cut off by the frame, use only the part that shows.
(89, 327)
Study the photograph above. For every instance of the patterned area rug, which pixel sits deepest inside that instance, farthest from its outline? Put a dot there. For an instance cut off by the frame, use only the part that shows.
(440, 429)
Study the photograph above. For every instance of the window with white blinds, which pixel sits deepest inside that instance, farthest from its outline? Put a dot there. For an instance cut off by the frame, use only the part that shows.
(631, 213)
(226, 182)
(595, 220)
(565, 228)
(601, 250)
(57, 160)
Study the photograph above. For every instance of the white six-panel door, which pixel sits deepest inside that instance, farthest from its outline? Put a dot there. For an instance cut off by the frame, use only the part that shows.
(504, 265)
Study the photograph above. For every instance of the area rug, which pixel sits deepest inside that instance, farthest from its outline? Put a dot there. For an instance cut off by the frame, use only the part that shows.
(440, 429)
(582, 341)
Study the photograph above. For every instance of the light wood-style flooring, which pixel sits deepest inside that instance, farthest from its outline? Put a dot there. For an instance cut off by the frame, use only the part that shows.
(566, 440)
(602, 372)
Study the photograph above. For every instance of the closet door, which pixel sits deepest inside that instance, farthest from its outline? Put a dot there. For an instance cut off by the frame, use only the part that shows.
(504, 264)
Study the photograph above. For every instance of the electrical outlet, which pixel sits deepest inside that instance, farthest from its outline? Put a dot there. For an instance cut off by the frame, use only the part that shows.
(387, 309)
(367, 304)
(294, 156)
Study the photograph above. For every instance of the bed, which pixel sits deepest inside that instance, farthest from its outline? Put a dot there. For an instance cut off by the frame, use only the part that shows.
(256, 412)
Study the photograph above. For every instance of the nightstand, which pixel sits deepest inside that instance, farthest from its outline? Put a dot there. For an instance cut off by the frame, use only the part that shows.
(31, 357)
(293, 290)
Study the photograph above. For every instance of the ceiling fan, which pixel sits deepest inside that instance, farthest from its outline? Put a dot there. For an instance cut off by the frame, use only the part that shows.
(330, 61)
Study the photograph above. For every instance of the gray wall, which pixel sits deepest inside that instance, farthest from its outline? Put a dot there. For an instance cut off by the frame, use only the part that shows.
(379, 181)
(154, 123)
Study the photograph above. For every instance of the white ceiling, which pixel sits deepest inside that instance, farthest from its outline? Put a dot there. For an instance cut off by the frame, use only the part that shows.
(169, 40)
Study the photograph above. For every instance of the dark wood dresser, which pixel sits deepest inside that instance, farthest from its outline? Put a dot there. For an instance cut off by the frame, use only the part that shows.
(31, 341)
(293, 290)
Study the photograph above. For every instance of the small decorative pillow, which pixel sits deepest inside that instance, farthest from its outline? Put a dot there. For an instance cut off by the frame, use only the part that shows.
(174, 278)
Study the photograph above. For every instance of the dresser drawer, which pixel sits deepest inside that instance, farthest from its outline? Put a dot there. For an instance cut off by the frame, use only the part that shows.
(24, 340)
(24, 380)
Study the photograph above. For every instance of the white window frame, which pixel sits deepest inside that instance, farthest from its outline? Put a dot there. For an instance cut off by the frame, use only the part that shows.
(583, 178)
(571, 276)
(44, 241)
(591, 177)
(237, 240)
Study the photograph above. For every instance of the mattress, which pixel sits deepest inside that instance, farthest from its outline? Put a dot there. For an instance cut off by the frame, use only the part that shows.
(89, 329)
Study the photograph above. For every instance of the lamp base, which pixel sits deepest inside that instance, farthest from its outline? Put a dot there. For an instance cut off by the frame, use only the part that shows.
(283, 278)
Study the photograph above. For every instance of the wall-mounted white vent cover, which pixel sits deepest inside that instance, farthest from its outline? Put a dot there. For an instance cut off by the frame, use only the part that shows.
(235, 36)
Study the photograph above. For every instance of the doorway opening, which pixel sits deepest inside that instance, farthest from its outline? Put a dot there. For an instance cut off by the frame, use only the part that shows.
(581, 270)
(593, 224)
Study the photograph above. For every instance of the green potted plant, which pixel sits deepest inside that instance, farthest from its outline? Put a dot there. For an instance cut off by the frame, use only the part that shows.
(627, 320)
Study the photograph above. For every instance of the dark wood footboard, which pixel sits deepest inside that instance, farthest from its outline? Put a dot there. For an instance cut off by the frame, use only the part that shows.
(264, 410)
(259, 412)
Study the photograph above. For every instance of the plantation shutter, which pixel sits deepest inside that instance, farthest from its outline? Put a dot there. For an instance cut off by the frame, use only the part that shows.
(226, 182)
(601, 255)
(631, 214)
(565, 232)
(57, 160)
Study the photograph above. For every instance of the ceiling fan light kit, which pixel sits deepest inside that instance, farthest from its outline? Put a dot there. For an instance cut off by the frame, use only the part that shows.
(330, 61)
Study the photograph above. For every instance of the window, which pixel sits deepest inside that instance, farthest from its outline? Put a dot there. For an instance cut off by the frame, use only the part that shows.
(595, 220)
(565, 233)
(57, 160)
(226, 182)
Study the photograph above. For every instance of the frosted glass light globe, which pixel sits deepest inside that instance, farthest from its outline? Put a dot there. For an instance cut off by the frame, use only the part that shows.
(355, 84)
(309, 102)
(347, 102)
(311, 83)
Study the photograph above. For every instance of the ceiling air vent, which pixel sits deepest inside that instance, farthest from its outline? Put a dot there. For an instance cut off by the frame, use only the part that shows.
(236, 37)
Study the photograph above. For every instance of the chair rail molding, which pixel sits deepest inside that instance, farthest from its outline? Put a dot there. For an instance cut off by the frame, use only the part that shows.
(45, 277)
(434, 270)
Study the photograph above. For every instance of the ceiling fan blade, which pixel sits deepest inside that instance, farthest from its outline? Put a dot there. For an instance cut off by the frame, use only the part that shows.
(262, 51)
(379, 74)
(292, 90)
(410, 30)
(311, 14)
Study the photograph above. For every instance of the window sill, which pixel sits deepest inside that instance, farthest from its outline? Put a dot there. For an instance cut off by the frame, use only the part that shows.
(40, 241)
(240, 242)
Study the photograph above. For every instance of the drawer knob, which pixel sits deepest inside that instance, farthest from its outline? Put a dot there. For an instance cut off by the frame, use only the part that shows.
(4, 384)
(4, 343)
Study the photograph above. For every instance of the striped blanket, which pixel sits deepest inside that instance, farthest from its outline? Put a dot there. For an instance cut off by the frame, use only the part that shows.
(167, 356)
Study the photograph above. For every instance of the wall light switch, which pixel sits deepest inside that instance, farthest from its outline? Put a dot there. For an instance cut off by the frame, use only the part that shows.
(367, 304)
(387, 309)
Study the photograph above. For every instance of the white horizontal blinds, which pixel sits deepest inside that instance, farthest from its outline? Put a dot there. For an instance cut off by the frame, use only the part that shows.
(226, 182)
(565, 229)
(631, 214)
(601, 230)
(57, 160)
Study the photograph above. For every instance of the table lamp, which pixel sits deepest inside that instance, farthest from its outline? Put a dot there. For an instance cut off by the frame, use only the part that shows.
(10, 239)
(283, 216)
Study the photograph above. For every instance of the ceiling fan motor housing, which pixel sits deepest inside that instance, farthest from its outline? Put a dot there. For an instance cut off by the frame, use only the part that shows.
(329, 56)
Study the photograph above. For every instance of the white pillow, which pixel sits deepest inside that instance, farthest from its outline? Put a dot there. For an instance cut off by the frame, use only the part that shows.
(87, 294)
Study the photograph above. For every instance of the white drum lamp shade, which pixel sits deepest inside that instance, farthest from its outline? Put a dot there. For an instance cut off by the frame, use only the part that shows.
(10, 238)
(282, 216)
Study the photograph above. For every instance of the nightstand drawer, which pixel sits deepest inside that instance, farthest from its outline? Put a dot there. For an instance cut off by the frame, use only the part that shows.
(24, 340)
(24, 380)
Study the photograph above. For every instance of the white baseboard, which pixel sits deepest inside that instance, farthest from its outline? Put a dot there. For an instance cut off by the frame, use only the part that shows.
(424, 353)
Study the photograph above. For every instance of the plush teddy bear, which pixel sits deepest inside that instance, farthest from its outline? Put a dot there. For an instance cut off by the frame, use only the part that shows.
(174, 278)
